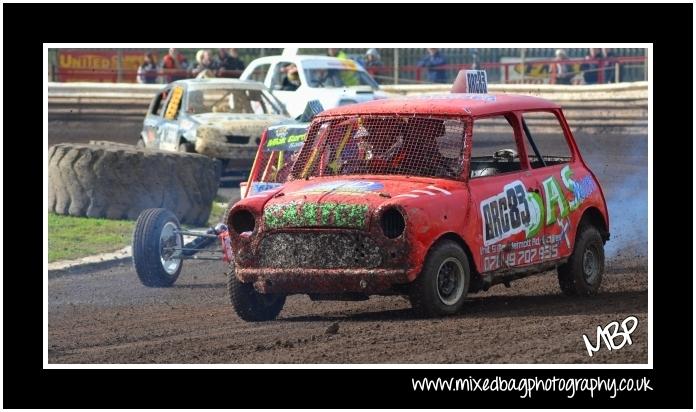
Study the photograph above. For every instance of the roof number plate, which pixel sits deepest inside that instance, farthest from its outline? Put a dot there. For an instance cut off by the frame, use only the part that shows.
(471, 81)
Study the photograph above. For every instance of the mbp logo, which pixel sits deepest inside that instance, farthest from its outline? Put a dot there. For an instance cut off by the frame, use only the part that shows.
(610, 333)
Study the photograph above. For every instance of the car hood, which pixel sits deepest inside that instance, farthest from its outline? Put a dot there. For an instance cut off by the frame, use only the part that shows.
(214, 126)
(235, 121)
(345, 202)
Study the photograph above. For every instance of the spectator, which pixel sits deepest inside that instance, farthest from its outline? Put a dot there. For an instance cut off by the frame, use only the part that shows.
(474, 59)
(338, 53)
(591, 69)
(230, 65)
(434, 61)
(175, 65)
(373, 64)
(147, 72)
(291, 81)
(610, 70)
(560, 72)
(205, 63)
(224, 60)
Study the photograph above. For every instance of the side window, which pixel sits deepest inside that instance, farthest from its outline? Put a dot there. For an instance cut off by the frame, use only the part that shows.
(174, 103)
(494, 149)
(285, 77)
(260, 72)
(157, 107)
(546, 133)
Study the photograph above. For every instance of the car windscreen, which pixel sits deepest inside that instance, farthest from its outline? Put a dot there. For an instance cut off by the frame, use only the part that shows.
(230, 100)
(320, 77)
(400, 145)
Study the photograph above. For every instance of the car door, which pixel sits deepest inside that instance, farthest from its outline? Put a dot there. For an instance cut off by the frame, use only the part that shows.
(545, 139)
(506, 219)
(154, 118)
(168, 130)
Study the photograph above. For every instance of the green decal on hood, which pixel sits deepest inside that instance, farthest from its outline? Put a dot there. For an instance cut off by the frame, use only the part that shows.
(297, 214)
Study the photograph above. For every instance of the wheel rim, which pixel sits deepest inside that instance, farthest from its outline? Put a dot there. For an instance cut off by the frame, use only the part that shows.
(170, 239)
(590, 265)
(450, 281)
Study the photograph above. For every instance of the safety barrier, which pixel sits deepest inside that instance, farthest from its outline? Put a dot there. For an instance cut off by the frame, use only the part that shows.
(620, 105)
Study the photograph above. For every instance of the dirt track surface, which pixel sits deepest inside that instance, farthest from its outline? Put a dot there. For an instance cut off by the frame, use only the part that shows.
(107, 316)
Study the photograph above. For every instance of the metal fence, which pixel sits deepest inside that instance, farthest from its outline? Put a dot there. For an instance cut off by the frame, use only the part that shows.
(400, 66)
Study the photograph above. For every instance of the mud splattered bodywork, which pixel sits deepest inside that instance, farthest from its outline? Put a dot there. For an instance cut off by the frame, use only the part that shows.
(309, 241)
(220, 118)
(377, 185)
(229, 136)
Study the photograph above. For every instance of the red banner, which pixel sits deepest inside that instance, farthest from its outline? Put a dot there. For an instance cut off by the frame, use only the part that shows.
(97, 66)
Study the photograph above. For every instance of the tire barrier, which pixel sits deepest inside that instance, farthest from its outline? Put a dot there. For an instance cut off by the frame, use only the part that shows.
(117, 181)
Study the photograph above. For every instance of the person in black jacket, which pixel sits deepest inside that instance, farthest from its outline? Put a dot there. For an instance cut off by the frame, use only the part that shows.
(147, 72)
(230, 62)
(591, 69)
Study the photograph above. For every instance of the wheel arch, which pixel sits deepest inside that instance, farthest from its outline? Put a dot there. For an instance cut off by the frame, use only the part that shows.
(592, 216)
(462, 243)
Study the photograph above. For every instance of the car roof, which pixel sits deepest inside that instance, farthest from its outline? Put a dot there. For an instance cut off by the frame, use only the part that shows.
(312, 61)
(251, 84)
(446, 104)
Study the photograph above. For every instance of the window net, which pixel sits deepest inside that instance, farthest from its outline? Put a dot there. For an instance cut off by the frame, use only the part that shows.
(380, 145)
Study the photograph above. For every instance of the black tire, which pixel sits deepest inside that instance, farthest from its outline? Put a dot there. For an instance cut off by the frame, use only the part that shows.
(147, 248)
(251, 305)
(186, 147)
(442, 285)
(118, 181)
(582, 274)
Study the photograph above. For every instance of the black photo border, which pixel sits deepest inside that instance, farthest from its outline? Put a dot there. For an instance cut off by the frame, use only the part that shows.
(27, 27)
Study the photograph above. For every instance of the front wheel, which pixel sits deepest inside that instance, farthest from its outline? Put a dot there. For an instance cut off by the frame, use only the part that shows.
(251, 305)
(156, 244)
(582, 273)
(444, 281)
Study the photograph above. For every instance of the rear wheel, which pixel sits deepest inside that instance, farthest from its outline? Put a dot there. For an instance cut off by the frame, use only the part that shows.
(444, 281)
(155, 243)
(582, 273)
(251, 305)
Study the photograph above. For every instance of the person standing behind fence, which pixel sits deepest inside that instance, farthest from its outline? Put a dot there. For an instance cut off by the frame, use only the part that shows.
(206, 65)
(338, 53)
(147, 72)
(230, 65)
(610, 70)
(560, 72)
(591, 69)
(373, 64)
(434, 61)
(174, 65)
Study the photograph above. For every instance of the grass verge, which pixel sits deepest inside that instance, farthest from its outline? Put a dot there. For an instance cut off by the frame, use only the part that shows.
(71, 237)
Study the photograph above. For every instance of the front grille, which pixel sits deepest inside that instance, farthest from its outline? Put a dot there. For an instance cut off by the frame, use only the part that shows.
(236, 139)
(319, 250)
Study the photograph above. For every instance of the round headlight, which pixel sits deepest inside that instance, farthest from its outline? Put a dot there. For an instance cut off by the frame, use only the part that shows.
(243, 221)
(392, 223)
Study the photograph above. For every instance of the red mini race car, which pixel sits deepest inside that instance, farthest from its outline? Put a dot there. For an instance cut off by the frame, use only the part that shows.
(432, 197)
